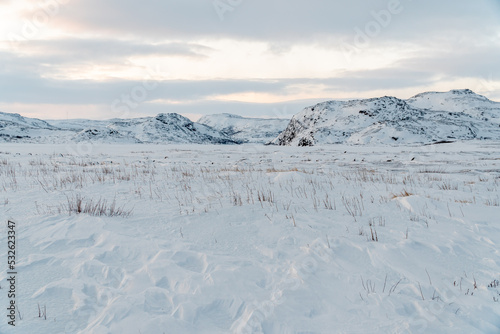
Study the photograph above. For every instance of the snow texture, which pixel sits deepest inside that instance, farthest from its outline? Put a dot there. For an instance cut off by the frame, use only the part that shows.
(252, 238)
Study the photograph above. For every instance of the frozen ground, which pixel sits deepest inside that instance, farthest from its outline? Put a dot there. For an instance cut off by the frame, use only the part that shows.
(253, 239)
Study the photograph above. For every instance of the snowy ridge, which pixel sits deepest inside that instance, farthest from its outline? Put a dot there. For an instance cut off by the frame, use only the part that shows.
(424, 118)
(169, 128)
(16, 119)
(465, 101)
(79, 124)
(14, 127)
(254, 130)
(163, 128)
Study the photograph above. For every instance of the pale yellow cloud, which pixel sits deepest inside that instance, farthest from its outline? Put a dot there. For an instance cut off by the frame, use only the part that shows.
(233, 59)
(229, 59)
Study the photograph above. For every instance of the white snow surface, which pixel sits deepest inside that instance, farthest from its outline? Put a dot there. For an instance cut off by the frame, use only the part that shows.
(424, 118)
(253, 239)
(246, 129)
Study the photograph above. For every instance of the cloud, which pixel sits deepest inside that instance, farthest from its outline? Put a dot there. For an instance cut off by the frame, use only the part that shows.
(31, 88)
(28, 87)
(458, 62)
(278, 20)
(396, 47)
(97, 50)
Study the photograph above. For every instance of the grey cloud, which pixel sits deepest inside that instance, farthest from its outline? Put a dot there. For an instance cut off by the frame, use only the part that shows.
(97, 50)
(451, 38)
(465, 62)
(30, 88)
(275, 20)
(269, 110)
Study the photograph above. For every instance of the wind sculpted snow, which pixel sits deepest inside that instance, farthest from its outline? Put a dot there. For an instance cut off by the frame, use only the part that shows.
(253, 239)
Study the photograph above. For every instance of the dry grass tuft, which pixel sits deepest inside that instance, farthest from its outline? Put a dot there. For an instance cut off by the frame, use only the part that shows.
(81, 205)
(403, 193)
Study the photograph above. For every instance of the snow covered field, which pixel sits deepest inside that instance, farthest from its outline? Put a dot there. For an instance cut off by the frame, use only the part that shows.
(252, 239)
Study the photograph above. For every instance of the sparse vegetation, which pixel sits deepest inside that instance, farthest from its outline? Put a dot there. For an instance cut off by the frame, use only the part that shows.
(345, 205)
(403, 193)
(101, 207)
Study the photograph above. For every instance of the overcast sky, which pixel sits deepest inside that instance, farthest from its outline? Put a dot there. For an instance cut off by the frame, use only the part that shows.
(122, 58)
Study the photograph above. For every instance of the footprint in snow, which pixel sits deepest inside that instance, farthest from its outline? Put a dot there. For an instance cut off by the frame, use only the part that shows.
(196, 262)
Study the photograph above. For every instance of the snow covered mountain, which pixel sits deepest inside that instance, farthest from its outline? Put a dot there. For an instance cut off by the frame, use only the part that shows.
(79, 124)
(169, 128)
(424, 118)
(245, 129)
(14, 127)
(163, 128)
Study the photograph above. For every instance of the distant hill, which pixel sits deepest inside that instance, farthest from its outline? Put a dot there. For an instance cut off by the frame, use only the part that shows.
(253, 130)
(163, 128)
(425, 118)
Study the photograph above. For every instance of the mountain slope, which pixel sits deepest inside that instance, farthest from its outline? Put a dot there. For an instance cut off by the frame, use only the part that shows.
(253, 130)
(169, 128)
(16, 128)
(103, 136)
(456, 115)
(79, 124)
(465, 101)
(18, 120)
